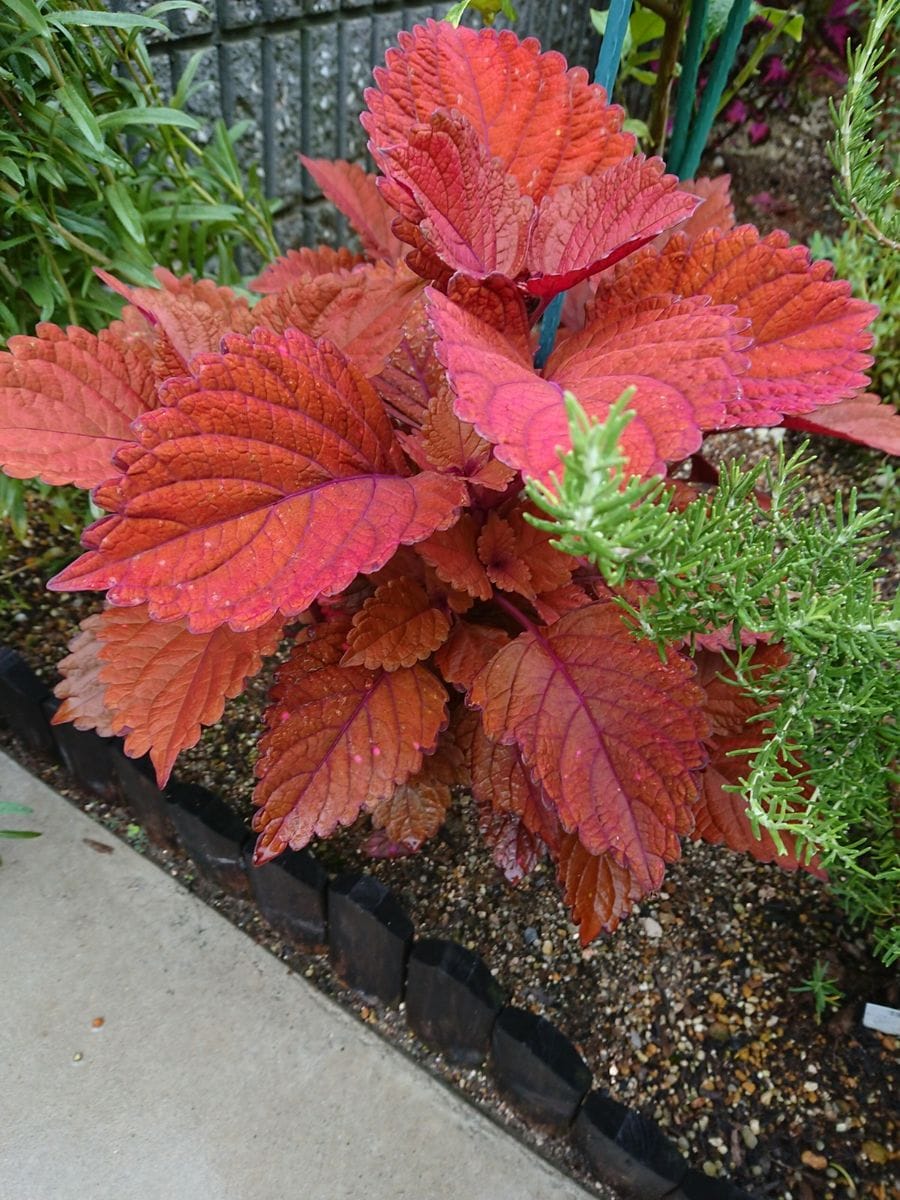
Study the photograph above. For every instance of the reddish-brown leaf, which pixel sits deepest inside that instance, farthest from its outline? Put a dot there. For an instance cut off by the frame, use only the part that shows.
(598, 890)
(586, 227)
(416, 810)
(340, 740)
(412, 376)
(716, 210)
(465, 208)
(453, 555)
(498, 551)
(270, 478)
(353, 191)
(549, 569)
(362, 311)
(612, 734)
(864, 419)
(547, 125)
(303, 263)
(468, 648)
(809, 335)
(445, 443)
(81, 690)
(191, 316)
(67, 400)
(396, 627)
(498, 302)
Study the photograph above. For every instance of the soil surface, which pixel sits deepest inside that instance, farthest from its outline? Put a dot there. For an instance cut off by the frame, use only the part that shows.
(694, 1011)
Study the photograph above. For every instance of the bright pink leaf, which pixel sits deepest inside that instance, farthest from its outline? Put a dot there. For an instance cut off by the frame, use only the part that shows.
(682, 355)
(585, 227)
(612, 734)
(809, 334)
(547, 125)
(352, 190)
(340, 741)
(864, 419)
(67, 400)
(270, 478)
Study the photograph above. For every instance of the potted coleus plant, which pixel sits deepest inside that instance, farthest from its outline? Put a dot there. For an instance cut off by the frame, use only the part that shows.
(342, 465)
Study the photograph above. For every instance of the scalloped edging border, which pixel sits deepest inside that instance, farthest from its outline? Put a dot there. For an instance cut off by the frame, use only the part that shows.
(454, 1004)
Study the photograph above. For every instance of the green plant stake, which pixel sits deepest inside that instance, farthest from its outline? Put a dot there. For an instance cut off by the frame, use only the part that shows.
(687, 84)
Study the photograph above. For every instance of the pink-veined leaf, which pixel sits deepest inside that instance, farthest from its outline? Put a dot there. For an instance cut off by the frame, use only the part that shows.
(863, 419)
(340, 740)
(302, 263)
(354, 192)
(809, 334)
(715, 211)
(586, 227)
(192, 316)
(682, 355)
(271, 477)
(444, 443)
(67, 401)
(612, 734)
(159, 683)
(546, 124)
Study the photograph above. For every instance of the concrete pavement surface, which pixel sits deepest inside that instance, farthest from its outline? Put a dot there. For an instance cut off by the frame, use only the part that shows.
(216, 1074)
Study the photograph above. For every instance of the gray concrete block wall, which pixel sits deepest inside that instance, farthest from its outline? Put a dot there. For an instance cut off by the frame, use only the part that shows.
(297, 69)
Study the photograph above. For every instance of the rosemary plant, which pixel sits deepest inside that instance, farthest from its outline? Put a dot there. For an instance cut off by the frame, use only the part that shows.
(825, 769)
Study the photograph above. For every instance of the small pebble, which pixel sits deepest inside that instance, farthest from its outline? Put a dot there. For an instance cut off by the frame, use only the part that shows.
(818, 1162)
(652, 927)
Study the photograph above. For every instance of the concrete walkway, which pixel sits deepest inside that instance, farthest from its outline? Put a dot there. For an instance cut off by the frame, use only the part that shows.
(216, 1074)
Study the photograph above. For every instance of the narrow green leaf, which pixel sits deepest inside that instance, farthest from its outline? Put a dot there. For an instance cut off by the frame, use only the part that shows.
(10, 806)
(31, 15)
(11, 170)
(19, 833)
(81, 114)
(793, 28)
(206, 213)
(122, 205)
(147, 115)
(86, 17)
(183, 6)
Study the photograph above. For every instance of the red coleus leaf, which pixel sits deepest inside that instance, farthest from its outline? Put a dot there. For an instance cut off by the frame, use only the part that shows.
(547, 125)
(444, 443)
(353, 191)
(303, 263)
(514, 818)
(396, 627)
(82, 692)
(412, 376)
(361, 311)
(67, 400)
(271, 478)
(453, 555)
(416, 810)
(737, 733)
(158, 683)
(598, 890)
(864, 419)
(502, 563)
(682, 355)
(458, 202)
(190, 316)
(583, 228)
(468, 648)
(612, 734)
(809, 335)
(340, 740)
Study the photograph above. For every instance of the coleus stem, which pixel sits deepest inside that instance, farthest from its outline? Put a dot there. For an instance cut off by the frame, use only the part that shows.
(605, 74)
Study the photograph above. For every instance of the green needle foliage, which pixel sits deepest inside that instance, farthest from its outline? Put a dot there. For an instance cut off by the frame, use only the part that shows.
(822, 988)
(826, 771)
